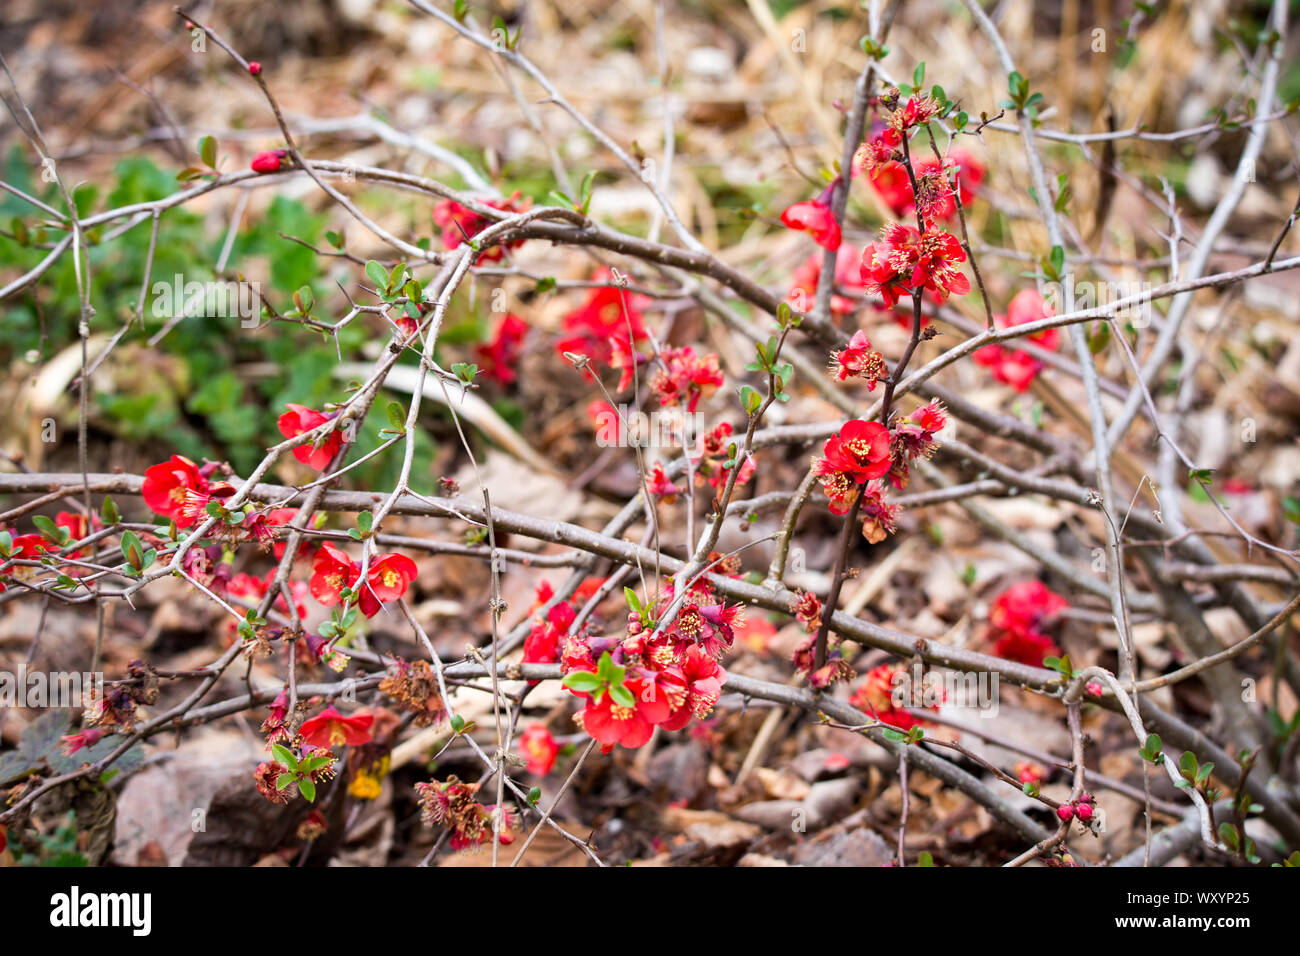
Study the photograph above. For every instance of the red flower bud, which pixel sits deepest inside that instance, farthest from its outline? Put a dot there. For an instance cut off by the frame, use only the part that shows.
(269, 161)
(1093, 688)
(1084, 812)
(254, 67)
(1065, 812)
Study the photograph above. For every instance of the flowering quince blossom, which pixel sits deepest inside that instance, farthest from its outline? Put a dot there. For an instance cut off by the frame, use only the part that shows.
(858, 360)
(270, 161)
(330, 729)
(498, 357)
(848, 280)
(166, 487)
(876, 696)
(659, 674)
(1016, 367)
(903, 259)
(458, 223)
(891, 181)
(659, 484)
(538, 748)
(1016, 619)
(299, 419)
(387, 579)
(25, 547)
(685, 378)
(590, 327)
(814, 217)
(451, 804)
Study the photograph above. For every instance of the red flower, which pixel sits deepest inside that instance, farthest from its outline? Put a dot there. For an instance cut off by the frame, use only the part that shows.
(254, 67)
(330, 729)
(815, 218)
(1025, 606)
(904, 259)
(165, 487)
(539, 748)
(659, 484)
(590, 327)
(1027, 647)
(299, 419)
(860, 448)
(270, 161)
(87, 738)
(858, 360)
(807, 610)
(880, 694)
(848, 279)
(891, 181)
(1014, 366)
(684, 378)
(459, 223)
(389, 577)
(704, 679)
(332, 570)
(1015, 620)
(499, 356)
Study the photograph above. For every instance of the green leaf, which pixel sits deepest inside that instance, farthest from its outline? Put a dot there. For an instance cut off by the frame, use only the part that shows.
(307, 789)
(284, 757)
(377, 275)
(52, 532)
(208, 151)
(284, 780)
(584, 682)
(622, 696)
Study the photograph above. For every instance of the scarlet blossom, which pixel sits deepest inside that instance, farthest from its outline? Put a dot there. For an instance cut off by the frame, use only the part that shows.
(838, 485)
(878, 152)
(609, 312)
(848, 286)
(835, 669)
(331, 729)
(891, 181)
(704, 678)
(858, 360)
(807, 610)
(1016, 618)
(87, 738)
(270, 161)
(917, 111)
(254, 67)
(78, 526)
(538, 748)
(815, 218)
(746, 471)
(1025, 606)
(903, 260)
(1013, 366)
(331, 571)
(610, 723)
(685, 378)
(1029, 772)
(300, 419)
(451, 804)
(460, 224)
(714, 442)
(861, 449)
(659, 484)
(1027, 647)
(165, 487)
(498, 357)
(387, 580)
(877, 695)
(711, 626)
(626, 358)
